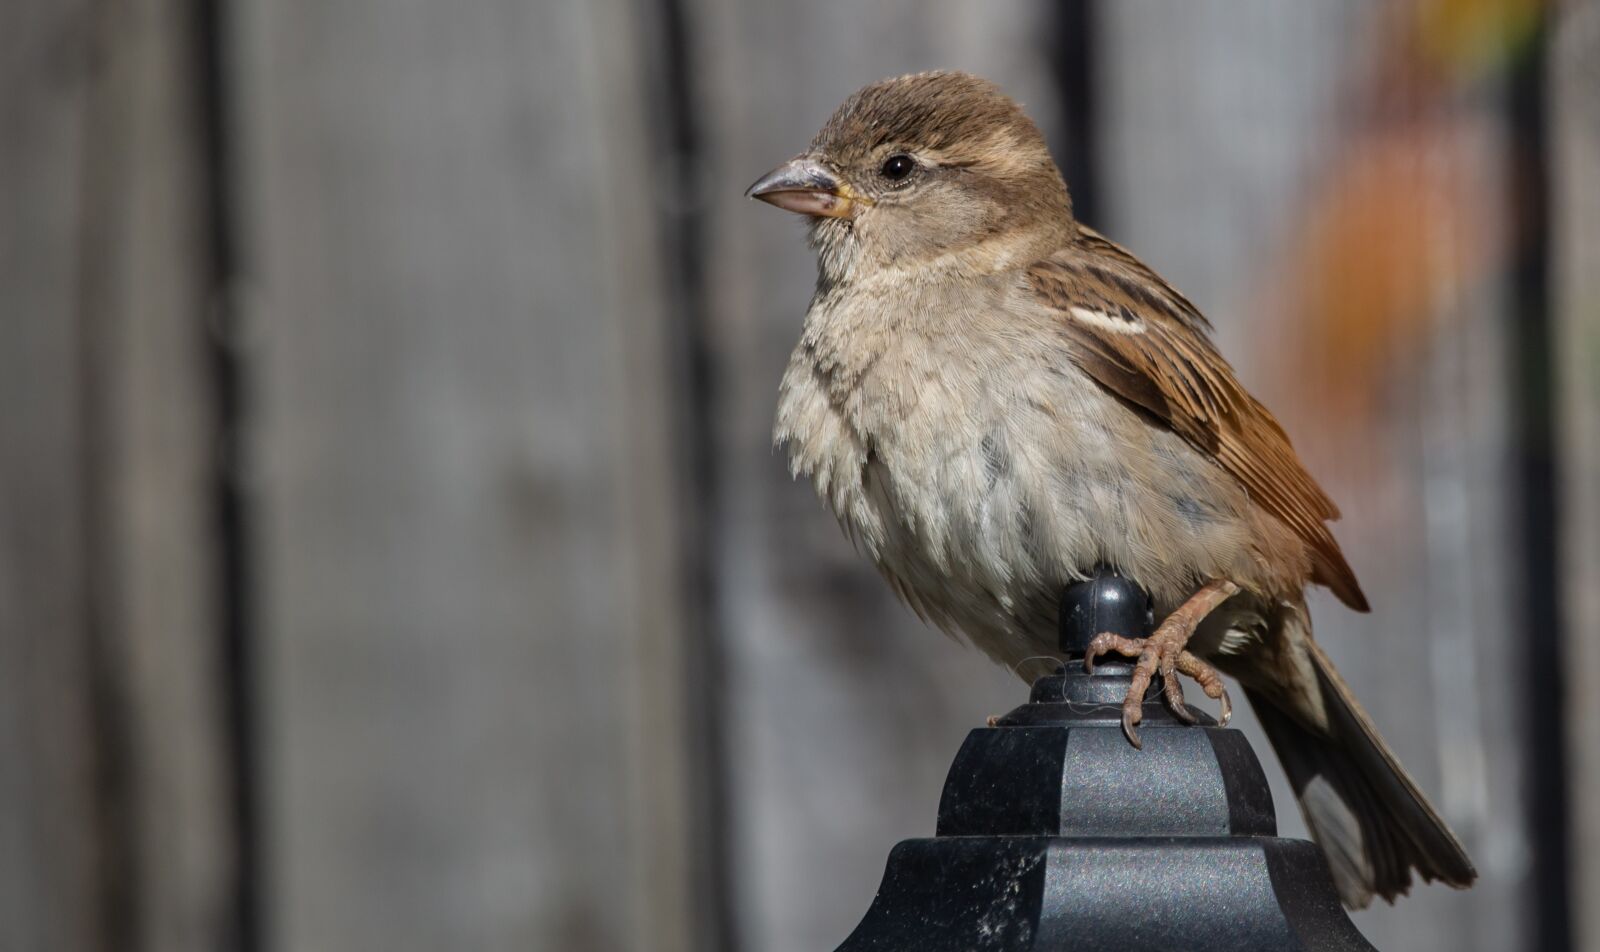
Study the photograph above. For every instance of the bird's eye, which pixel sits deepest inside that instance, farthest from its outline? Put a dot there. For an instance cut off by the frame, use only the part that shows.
(897, 167)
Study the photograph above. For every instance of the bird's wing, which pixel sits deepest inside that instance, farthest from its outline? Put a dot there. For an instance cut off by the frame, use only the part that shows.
(1146, 343)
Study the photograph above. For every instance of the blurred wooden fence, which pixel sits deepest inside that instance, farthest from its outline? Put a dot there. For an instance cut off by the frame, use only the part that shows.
(391, 551)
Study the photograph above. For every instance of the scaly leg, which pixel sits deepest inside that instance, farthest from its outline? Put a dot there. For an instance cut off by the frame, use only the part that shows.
(1164, 651)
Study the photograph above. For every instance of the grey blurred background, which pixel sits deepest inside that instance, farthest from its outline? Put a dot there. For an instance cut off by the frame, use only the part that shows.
(392, 555)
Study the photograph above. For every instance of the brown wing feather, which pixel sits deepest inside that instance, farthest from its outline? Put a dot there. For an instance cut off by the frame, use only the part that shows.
(1145, 342)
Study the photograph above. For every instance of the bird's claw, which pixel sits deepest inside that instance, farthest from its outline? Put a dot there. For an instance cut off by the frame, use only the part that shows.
(1162, 653)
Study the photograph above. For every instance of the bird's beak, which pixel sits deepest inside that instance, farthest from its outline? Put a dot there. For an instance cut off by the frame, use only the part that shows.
(807, 187)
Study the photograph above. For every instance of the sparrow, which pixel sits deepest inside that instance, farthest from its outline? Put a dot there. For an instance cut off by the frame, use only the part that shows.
(997, 401)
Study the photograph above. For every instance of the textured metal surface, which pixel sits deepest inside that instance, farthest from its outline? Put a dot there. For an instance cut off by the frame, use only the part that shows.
(1055, 833)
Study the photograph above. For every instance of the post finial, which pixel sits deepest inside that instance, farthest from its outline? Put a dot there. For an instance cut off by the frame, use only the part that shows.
(1107, 602)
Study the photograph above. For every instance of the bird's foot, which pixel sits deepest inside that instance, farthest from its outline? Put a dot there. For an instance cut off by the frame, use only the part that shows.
(1164, 652)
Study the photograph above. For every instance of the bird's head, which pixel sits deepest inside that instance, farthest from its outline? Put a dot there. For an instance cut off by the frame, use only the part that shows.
(923, 170)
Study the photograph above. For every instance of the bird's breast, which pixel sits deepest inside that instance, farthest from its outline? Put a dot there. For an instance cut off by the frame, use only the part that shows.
(961, 447)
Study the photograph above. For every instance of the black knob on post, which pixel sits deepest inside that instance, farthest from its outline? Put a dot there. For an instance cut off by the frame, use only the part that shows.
(1106, 603)
(1054, 833)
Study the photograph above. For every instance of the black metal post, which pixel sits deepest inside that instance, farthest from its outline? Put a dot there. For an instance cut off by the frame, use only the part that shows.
(1055, 833)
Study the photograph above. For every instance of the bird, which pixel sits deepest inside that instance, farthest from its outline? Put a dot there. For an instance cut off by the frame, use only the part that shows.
(996, 401)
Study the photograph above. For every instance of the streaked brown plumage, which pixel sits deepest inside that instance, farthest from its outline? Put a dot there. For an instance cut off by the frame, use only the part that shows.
(995, 400)
(1163, 362)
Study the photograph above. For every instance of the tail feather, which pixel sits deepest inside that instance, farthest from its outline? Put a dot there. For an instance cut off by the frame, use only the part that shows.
(1372, 822)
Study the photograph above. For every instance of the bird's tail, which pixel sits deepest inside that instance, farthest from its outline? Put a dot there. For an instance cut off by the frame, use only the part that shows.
(1365, 812)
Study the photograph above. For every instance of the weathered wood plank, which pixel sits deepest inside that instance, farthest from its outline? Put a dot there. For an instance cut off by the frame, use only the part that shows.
(1575, 244)
(472, 674)
(112, 804)
(49, 892)
(145, 310)
(150, 314)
